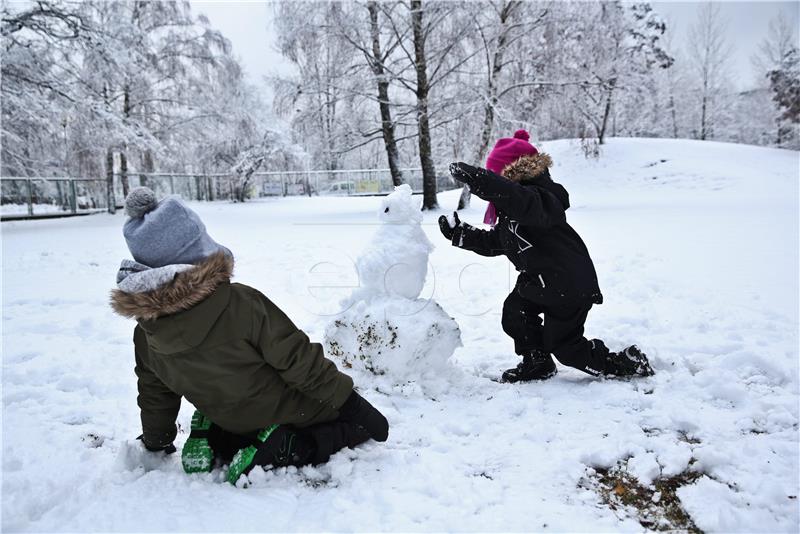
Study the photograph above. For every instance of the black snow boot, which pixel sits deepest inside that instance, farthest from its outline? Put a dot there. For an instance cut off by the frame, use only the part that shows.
(333, 437)
(536, 365)
(628, 362)
(276, 445)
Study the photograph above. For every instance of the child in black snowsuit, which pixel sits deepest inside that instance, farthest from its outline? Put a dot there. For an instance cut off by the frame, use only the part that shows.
(557, 284)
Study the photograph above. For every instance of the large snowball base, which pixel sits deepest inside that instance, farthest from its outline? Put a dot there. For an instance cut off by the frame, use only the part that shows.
(401, 340)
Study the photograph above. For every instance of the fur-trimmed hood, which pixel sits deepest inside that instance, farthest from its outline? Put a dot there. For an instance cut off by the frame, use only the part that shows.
(528, 167)
(186, 290)
(535, 171)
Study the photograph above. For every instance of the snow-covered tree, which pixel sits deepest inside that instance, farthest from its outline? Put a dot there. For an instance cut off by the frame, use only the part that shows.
(314, 100)
(709, 56)
(778, 61)
(115, 88)
(612, 55)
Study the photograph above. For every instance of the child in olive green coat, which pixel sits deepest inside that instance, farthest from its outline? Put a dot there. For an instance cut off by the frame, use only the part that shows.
(265, 395)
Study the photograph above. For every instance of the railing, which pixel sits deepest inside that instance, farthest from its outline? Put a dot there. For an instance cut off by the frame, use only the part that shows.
(51, 196)
(38, 197)
(346, 182)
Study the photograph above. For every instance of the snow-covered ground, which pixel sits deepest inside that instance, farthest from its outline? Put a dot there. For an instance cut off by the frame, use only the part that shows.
(696, 247)
(22, 209)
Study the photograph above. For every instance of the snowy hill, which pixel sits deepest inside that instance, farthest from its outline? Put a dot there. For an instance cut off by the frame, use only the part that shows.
(696, 248)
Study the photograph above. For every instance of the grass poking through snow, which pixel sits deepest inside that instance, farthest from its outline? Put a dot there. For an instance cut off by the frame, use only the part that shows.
(656, 507)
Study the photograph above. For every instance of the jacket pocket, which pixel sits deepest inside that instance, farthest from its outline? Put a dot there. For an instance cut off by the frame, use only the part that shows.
(545, 288)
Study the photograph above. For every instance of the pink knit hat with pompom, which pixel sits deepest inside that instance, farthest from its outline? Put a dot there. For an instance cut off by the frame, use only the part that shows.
(505, 152)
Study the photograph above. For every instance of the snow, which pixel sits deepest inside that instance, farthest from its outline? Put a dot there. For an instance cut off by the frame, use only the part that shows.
(697, 258)
(395, 260)
(22, 209)
(383, 328)
(399, 343)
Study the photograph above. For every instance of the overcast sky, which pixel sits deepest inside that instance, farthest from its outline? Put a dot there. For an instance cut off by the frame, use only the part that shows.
(248, 25)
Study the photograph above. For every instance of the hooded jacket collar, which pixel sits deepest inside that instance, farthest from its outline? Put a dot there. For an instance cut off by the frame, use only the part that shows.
(188, 289)
(535, 171)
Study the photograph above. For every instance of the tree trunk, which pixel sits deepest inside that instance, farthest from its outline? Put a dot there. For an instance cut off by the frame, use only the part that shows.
(112, 201)
(330, 111)
(429, 200)
(491, 102)
(148, 166)
(387, 125)
(110, 195)
(465, 198)
(703, 131)
(486, 136)
(488, 127)
(601, 134)
(123, 173)
(674, 118)
(494, 73)
(123, 158)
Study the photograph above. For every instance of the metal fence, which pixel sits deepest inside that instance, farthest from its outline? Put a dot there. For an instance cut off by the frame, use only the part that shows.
(51, 196)
(349, 182)
(38, 197)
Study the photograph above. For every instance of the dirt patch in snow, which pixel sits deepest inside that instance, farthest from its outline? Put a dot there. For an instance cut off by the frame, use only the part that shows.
(656, 507)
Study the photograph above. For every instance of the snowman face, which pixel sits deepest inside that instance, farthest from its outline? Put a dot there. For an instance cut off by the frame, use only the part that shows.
(400, 207)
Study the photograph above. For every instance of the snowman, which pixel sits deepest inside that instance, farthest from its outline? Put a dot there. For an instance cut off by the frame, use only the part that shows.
(395, 261)
(386, 331)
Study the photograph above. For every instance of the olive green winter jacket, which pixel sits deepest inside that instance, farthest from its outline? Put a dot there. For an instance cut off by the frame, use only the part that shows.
(230, 351)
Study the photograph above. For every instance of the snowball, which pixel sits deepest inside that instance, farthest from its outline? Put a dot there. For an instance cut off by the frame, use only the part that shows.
(404, 340)
(395, 261)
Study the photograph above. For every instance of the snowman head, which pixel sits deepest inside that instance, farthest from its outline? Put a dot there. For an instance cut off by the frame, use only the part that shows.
(400, 207)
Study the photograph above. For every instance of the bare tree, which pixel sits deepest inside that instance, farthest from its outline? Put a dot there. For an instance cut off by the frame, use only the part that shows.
(378, 58)
(429, 186)
(315, 99)
(376, 61)
(780, 40)
(101, 83)
(498, 32)
(709, 54)
(777, 63)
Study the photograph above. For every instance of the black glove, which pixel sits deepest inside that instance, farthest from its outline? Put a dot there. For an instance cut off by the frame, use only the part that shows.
(444, 225)
(166, 449)
(358, 411)
(467, 173)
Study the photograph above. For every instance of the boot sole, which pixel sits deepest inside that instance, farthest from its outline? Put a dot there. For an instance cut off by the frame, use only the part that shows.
(242, 461)
(196, 455)
(502, 380)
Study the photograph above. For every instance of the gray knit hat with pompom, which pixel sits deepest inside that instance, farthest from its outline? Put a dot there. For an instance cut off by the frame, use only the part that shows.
(166, 232)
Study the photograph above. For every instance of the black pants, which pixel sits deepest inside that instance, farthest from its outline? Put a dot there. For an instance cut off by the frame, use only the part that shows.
(310, 445)
(556, 330)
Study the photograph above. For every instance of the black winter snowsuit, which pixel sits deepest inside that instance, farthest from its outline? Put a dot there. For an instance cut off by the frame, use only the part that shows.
(557, 277)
